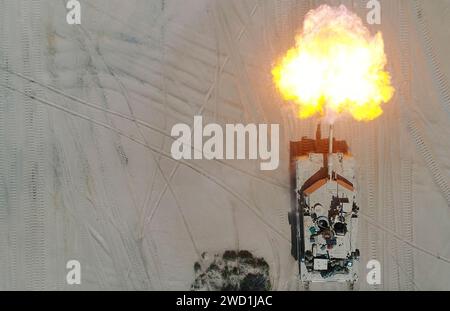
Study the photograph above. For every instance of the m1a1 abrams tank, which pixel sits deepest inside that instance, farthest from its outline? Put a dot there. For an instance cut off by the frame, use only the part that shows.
(324, 217)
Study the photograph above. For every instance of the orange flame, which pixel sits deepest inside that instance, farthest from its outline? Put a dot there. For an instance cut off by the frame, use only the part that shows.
(335, 67)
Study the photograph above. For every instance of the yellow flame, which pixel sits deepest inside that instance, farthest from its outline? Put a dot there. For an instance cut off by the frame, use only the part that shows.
(336, 66)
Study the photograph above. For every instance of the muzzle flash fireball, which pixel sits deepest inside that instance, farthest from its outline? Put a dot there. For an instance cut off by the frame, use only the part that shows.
(336, 66)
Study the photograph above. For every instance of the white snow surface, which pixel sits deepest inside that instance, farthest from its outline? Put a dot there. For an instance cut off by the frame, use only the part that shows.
(85, 118)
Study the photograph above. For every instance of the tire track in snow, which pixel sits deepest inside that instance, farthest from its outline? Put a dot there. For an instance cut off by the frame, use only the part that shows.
(439, 78)
(372, 180)
(89, 235)
(13, 181)
(34, 201)
(194, 44)
(250, 103)
(255, 113)
(407, 219)
(406, 182)
(125, 94)
(133, 252)
(196, 169)
(390, 217)
(8, 177)
(405, 240)
(139, 122)
(434, 168)
(66, 131)
(388, 170)
(276, 271)
(229, 190)
(66, 182)
(397, 257)
(178, 205)
(413, 130)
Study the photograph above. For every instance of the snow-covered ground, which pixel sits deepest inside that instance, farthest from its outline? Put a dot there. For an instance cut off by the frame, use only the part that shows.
(85, 119)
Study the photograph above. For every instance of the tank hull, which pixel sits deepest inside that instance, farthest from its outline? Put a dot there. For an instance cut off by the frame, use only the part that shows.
(324, 217)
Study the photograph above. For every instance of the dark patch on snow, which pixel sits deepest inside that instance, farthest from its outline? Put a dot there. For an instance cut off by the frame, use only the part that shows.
(232, 271)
